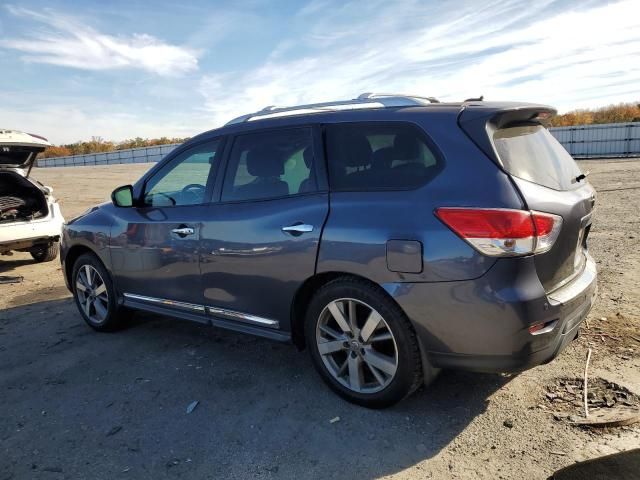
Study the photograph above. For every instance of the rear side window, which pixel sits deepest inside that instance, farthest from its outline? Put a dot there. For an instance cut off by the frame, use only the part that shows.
(270, 164)
(530, 152)
(379, 156)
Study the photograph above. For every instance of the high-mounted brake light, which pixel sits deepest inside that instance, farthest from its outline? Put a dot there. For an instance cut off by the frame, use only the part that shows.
(501, 232)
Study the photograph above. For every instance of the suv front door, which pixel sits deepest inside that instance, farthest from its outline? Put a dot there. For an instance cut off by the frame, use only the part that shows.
(155, 245)
(260, 242)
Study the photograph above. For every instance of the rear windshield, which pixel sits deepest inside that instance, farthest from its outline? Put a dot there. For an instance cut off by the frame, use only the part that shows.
(13, 156)
(530, 152)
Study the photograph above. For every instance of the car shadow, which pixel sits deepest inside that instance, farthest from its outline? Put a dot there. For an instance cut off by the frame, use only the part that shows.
(619, 466)
(7, 264)
(262, 409)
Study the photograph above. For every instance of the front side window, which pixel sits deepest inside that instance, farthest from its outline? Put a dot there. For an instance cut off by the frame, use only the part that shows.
(379, 156)
(270, 164)
(183, 181)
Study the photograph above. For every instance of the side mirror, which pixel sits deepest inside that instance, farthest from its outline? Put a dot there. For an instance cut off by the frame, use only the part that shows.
(123, 196)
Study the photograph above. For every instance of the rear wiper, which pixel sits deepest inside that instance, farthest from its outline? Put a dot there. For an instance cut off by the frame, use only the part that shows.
(582, 176)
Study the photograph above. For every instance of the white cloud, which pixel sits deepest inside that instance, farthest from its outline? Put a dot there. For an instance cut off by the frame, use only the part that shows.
(584, 56)
(67, 42)
(70, 118)
(64, 123)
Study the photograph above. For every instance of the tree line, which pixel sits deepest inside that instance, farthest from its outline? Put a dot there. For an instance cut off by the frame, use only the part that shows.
(620, 113)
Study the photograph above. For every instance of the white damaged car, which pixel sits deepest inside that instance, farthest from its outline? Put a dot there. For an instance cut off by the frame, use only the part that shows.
(30, 218)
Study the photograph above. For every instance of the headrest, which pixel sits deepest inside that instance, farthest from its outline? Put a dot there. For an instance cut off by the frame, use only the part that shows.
(357, 151)
(383, 157)
(307, 154)
(265, 162)
(406, 146)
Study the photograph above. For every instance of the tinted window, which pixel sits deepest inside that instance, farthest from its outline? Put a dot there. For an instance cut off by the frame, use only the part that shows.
(14, 156)
(270, 164)
(530, 152)
(183, 181)
(371, 156)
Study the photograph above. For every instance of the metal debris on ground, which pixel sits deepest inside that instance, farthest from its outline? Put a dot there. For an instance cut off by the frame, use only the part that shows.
(334, 420)
(585, 385)
(11, 279)
(192, 406)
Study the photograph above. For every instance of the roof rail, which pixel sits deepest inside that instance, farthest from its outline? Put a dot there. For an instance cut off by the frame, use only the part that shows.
(366, 100)
(369, 96)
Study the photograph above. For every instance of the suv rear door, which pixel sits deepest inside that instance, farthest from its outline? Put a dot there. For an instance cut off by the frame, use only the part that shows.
(550, 181)
(260, 241)
(547, 177)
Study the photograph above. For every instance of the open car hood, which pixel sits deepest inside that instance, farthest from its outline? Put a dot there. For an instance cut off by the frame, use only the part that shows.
(19, 150)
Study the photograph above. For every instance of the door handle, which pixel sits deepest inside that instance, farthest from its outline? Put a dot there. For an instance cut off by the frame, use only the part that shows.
(183, 231)
(298, 228)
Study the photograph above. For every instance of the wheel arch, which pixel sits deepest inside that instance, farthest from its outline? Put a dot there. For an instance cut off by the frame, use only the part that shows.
(312, 284)
(306, 291)
(70, 259)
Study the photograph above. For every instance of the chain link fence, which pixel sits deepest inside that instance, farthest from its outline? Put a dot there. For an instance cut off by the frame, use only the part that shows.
(600, 141)
(131, 155)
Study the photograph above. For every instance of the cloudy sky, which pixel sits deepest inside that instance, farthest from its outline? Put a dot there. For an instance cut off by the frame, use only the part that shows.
(71, 70)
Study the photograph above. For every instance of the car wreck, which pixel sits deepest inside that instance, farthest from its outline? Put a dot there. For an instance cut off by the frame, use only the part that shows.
(30, 217)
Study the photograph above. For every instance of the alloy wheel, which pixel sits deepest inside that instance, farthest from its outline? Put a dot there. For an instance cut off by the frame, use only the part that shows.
(92, 294)
(356, 345)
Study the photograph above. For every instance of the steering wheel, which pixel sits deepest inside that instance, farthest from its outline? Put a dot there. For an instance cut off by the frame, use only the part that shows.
(195, 191)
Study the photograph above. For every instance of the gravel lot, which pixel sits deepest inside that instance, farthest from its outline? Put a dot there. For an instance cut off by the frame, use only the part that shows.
(78, 404)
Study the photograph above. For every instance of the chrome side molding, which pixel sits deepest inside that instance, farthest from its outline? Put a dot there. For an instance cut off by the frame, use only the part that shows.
(165, 302)
(243, 317)
(215, 311)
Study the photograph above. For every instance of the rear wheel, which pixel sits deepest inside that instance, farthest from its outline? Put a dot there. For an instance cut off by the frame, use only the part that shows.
(45, 253)
(94, 294)
(362, 344)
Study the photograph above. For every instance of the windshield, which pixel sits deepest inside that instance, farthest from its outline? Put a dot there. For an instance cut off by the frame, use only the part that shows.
(530, 152)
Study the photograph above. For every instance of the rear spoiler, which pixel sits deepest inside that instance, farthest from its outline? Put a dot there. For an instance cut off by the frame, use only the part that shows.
(480, 121)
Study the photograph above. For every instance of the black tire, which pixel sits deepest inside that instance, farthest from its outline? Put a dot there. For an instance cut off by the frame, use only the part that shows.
(408, 375)
(45, 253)
(116, 316)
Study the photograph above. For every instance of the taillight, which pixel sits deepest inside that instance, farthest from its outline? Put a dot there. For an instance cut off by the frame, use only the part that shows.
(501, 232)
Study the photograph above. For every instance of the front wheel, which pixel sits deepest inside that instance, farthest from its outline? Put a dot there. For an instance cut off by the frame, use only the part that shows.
(362, 343)
(94, 294)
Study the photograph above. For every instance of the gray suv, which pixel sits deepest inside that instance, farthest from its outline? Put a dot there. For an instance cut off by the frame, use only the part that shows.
(390, 235)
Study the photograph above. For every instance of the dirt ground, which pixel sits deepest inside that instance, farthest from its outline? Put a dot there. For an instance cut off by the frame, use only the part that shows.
(78, 404)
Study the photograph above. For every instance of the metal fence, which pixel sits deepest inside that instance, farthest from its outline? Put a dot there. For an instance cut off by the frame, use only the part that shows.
(587, 141)
(600, 141)
(131, 155)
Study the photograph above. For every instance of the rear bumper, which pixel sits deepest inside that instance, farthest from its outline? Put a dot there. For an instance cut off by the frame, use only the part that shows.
(21, 235)
(483, 324)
